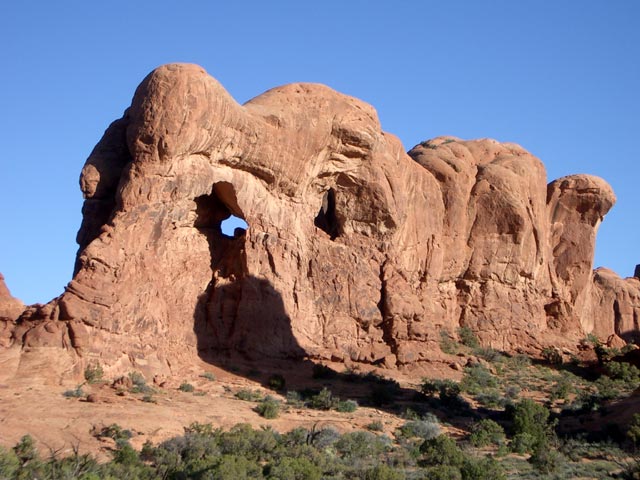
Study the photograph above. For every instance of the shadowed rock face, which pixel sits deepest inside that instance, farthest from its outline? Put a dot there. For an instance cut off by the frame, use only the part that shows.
(355, 250)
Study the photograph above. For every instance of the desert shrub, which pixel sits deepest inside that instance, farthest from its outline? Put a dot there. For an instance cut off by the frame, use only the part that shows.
(448, 390)
(519, 361)
(633, 433)
(209, 376)
(489, 354)
(249, 395)
(382, 472)
(197, 428)
(139, 383)
(115, 432)
(512, 391)
(561, 389)
(522, 443)
(486, 432)
(93, 373)
(276, 382)
(442, 472)
(447, 343)
(236, 467)
(410, 414)
(530, 425)
(186, 387)
(375, 426)
(482, 469)
(324, 400)
(244, 441)
(347, 406)
(294, 399)
(449, 395)
(491, 399)
(75, 393)
(477, 378)
(25, 450)
(294, 469)
(137, 378)
(359, 445)
(324, 437)
(9, 463)
(149, 399)
(320, 371)
(468, 337)
(552, 355)
(424, 429)
(623, 371)
(441, 450)
(546, 460)
(430, 386)
(268, 408)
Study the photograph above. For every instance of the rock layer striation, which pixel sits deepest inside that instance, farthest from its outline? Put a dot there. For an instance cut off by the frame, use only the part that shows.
(355, 250)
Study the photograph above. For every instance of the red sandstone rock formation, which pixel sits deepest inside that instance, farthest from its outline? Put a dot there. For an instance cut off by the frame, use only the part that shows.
(355, 250)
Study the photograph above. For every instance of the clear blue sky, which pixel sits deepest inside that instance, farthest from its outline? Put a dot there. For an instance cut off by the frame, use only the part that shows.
(559, 77)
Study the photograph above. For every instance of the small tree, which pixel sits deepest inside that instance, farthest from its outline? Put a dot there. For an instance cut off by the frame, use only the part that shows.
(634, 430)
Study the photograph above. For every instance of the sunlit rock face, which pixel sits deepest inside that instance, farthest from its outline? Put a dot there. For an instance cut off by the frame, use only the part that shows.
(355, 250)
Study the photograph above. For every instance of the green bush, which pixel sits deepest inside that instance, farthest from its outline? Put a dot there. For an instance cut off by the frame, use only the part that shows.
(530, 425)
(623, 371)
(424, 429)
(448, 390)
(324, 400)
(442, 472)
(276, 382)
(482, 469)
(359, 445)
(347, 406)
(468, 338)
(552, 355)
(382, 472)
(209, 376)
(75, 393)
(447, 343)
(477, 378)
(186, 387)
(236, 467)
(441, 450)
(9, 463)
(561, 389)
(249, 395)
(115, 432)
(93, 373)
(375, 426)
(268, 408)
(294, 469)
(486, 432)
(633, 433)
(545, 459)
(294, 399)
(139, 383)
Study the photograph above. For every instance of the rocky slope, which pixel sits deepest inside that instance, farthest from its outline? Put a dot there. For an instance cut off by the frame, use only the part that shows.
(355, 251)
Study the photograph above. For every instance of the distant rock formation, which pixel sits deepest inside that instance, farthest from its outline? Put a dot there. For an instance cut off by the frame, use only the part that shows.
(355, 250)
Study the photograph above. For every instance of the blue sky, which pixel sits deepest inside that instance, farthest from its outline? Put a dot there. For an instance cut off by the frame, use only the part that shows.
(559, 77)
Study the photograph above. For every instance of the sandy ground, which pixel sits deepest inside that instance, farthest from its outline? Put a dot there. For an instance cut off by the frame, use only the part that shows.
(61, 424)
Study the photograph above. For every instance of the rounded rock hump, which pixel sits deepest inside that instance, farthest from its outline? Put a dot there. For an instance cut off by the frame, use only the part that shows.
(10, 307)
(355, 251)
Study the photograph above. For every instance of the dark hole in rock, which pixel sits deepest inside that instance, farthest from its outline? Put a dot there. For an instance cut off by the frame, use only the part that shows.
(326, 219)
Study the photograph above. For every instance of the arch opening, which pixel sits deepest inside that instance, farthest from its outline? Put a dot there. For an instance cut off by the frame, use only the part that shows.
(326, 219)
